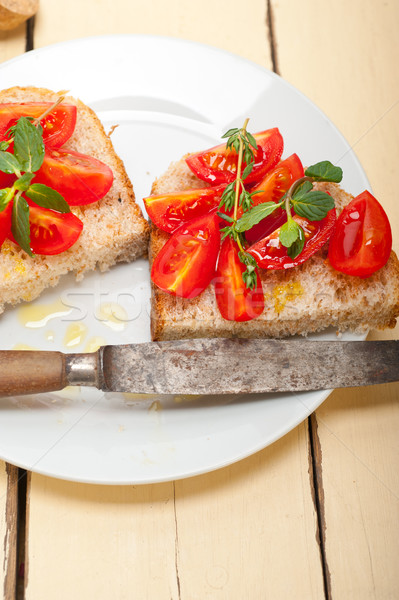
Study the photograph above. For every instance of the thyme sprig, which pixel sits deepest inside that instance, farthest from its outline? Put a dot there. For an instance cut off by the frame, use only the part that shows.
(236, 195)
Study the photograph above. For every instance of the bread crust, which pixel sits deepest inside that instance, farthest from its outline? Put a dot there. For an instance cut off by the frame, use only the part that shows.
(302, 300)
(114, 228)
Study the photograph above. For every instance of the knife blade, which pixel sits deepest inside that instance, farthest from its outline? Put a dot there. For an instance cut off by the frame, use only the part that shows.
(205, 366)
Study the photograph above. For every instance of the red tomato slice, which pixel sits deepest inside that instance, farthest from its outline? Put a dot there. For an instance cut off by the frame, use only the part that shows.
(236, 302)
(79, 178)
(269, 253)
(219, 165)
(52, 232)
(362, 241)
(274, 186)
(58, 125)
(5, 222)
(170, 211)
(186, 264)
(6, 180)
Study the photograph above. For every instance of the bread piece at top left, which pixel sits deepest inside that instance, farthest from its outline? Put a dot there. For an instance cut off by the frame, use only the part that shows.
(114, 229)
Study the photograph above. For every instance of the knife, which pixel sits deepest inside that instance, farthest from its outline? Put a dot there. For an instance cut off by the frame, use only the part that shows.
(205, 366)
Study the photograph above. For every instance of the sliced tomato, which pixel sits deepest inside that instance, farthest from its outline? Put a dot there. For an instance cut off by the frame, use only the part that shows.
(269, 253)
(79, 178)
(362, 241)
(58, 125)
(236, 302)
(170, 211)
(186, 264)
(52, 232)
(5, 222)
(219, 165)
(6, 180)
(271, 189)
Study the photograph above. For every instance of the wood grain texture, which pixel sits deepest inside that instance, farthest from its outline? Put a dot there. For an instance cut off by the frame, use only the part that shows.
(217, 23)
(106, 542)
(31, 372)
(8, 529)
(12, 43)
(250, 531)
(347, 70)
(229, 534)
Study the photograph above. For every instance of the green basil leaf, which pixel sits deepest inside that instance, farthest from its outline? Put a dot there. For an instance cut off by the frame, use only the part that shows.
(28, 145)
(324, 171)
(23, 182)
(314, 205)
(289, 233)
(255, 215)
(20, 223)
(5, 197)
(4, 145)
(296, 248)
(46, 197)
(304, 188)
(8, 163)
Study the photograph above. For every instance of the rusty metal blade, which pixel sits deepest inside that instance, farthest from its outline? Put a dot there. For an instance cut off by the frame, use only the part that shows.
(229, 366)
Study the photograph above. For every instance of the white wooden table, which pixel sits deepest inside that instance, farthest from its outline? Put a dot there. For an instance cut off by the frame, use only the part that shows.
(316, 514)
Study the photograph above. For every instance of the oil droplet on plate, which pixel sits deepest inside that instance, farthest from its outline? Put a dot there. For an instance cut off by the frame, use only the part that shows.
(23, 347)
(186, 398)
(94, 344)
(112, 315)
(155, 406)
(38, 315)
(75, 334)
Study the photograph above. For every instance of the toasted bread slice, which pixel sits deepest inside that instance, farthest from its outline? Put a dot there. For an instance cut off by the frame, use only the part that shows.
(113, 229)
(305, 299)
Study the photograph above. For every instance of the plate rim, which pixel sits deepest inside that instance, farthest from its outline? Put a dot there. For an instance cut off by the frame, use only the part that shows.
(322, 395)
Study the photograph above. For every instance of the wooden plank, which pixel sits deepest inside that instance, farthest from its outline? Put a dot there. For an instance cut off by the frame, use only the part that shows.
(88, 541)
(229, 534)
(347, 71)
(12, 43)
(8, 529)
(250, 531)
(220, 24)
(358, 434)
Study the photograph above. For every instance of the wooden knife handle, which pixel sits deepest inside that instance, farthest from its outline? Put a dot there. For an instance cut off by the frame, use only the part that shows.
(30, 372)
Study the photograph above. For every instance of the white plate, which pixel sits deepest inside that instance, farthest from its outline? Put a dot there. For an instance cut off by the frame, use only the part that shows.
(168, 97)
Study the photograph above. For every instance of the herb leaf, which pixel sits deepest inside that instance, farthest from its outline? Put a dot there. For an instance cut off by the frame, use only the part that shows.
(313, 205)
(5, 197)
(23, 182)
(28, 145)
(289, 232)
(255, 215)
(20, 223)
(9, 164)
(249, 275)
(230, 132)
(46, 197)
(324, 171)
(296, 248)
(4, 145)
